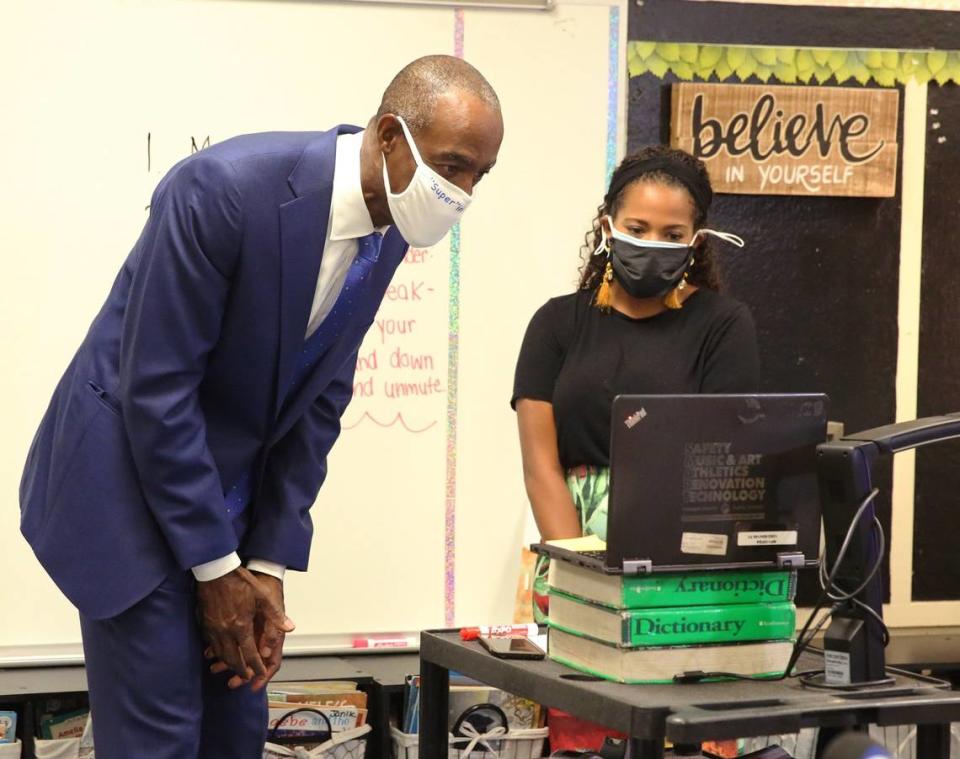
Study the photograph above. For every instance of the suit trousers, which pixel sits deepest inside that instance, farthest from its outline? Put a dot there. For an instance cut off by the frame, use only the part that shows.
(152, 694)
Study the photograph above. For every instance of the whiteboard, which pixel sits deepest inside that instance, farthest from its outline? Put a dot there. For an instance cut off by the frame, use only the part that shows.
(419, 523)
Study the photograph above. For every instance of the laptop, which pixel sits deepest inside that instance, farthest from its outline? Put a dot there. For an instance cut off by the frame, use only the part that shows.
(710, 482)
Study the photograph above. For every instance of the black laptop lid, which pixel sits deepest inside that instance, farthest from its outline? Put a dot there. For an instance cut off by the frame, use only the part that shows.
(724, 480)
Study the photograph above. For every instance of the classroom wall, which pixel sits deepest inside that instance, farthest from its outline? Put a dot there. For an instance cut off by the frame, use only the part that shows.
(420, 520)
(436, 497)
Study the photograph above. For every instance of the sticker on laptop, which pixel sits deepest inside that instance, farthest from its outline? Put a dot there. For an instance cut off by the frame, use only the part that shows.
(703, 543)
(767, 538)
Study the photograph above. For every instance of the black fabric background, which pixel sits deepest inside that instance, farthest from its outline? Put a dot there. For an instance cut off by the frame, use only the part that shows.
(820, 275)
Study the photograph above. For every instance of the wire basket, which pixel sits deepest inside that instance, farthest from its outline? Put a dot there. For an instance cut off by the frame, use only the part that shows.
(348, 744)
(517, 744)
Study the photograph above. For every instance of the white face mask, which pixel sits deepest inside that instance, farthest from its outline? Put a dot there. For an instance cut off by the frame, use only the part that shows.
(429, 207)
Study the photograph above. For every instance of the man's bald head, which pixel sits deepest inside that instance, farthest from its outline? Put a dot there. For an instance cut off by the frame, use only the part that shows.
(414, 92)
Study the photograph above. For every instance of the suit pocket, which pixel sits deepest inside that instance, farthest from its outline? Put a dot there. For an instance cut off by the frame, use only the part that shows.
(99, 468)
(107, 400)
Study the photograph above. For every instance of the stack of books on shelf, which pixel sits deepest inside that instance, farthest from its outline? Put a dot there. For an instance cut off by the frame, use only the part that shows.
(343, 708)
(650, 628)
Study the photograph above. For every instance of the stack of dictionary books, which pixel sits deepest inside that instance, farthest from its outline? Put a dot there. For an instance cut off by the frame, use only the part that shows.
(654, 627)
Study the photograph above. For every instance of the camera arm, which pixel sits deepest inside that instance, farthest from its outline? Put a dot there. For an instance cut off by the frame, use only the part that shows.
(854, 640)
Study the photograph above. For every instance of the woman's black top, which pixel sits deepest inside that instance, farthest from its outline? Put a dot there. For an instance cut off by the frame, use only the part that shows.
(578, 358)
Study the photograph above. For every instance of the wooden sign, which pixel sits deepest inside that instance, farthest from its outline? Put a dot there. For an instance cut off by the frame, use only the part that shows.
(778, 140)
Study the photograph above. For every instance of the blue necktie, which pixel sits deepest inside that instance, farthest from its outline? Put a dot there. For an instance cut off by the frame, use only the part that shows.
(317, 344)
(368, 250)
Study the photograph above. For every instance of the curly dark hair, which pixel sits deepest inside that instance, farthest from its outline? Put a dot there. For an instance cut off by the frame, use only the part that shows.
(703, 272)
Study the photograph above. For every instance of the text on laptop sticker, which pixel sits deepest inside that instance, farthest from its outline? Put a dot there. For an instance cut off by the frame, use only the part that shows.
(767, 538)
(704, 543)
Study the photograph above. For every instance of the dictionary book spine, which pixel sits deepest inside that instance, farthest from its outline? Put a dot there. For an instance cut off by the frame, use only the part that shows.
(673, 626)
(709, 588)
(673, 589)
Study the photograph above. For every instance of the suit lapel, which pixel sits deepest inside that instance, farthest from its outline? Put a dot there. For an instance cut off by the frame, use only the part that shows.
(303, 231)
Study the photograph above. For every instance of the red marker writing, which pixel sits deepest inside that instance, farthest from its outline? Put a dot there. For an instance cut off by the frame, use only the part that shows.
(499, 631)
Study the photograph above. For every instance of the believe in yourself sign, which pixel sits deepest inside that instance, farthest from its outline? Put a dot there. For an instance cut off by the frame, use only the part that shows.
(781, 140)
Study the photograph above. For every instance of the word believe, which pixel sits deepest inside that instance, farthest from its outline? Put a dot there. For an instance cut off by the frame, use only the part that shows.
(766, 132)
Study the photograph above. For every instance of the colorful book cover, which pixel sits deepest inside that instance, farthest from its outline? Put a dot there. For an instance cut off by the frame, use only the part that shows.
(69, 725)
(675, 625)
(357, 699)
(8, 727)
(411, 707)
(697, 588)
(308, 721)
(319, 686)
(521, 713)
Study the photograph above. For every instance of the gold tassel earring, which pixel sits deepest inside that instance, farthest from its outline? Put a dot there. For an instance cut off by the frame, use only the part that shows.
(672, 299)
(604, 299)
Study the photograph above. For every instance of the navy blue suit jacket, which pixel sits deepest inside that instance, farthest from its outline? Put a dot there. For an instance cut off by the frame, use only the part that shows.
(177, 388)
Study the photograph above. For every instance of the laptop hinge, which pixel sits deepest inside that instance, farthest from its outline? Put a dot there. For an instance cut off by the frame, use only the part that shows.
(790, 560)
(637, 566)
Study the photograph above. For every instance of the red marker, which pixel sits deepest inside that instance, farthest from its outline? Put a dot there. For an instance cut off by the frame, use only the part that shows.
(384, 642)
(499, 631)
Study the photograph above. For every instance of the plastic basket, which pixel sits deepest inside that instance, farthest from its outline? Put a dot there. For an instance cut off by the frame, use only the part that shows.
(518, 744)
(349, 744)
(61, 748)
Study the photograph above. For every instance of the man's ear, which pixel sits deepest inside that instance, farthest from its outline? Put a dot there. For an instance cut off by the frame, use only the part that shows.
(388, 131)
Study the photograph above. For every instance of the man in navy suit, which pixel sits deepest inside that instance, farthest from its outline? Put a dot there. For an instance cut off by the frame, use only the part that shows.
(169, 485)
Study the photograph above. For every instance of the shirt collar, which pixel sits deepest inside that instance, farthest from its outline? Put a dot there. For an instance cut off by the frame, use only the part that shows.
(349, 217)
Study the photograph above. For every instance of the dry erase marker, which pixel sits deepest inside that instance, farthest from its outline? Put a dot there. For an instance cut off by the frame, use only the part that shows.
(384, 642)
(500, 631)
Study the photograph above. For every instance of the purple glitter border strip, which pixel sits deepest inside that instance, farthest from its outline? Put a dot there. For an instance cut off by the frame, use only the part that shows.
(458, 32)
(613, 91)
(453, 353)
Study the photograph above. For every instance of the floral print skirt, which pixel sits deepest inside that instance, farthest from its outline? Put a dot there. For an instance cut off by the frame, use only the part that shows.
(589, 486)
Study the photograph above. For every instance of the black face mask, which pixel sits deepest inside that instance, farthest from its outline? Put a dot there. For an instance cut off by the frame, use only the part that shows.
(649, 271)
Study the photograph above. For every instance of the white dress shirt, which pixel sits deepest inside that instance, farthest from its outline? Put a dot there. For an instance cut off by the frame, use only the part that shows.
(349, 220)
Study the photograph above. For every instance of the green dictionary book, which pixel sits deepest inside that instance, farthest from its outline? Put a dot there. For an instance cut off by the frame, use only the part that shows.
(675, 626)
(697, 588)
(660, 665)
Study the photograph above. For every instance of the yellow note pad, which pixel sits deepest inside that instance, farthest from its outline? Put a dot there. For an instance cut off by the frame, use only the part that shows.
(586, 543)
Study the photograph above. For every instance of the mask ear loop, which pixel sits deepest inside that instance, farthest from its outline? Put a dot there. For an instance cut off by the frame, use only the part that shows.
(421, 164)
(603, 246)
(725, 236)
(414, 150)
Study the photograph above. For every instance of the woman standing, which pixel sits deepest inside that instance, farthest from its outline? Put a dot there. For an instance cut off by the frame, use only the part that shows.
(647, 318)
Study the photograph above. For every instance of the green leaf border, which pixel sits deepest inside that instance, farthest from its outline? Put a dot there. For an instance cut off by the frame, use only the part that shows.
(790, 65)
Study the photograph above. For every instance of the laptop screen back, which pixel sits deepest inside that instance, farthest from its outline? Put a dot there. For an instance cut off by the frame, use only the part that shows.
(714, 479)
